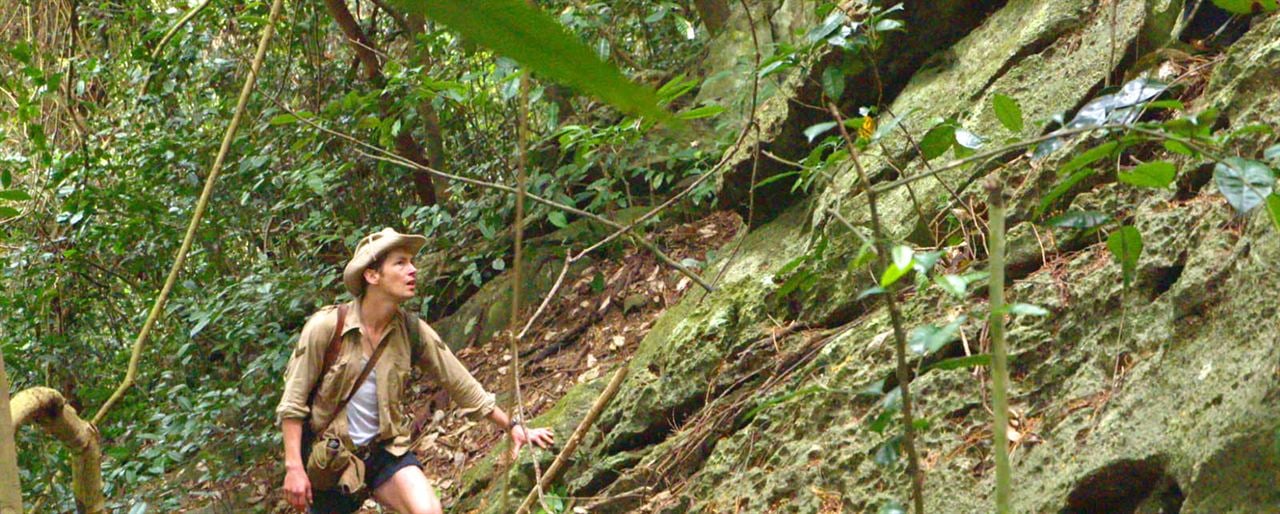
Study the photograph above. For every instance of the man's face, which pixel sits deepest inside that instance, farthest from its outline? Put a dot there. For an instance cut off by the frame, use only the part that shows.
(397, 277)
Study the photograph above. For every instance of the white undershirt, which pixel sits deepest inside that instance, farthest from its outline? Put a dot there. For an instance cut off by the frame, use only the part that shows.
(362, 411)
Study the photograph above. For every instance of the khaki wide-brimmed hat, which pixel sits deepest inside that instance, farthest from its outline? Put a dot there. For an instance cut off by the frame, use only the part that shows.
(370, 248)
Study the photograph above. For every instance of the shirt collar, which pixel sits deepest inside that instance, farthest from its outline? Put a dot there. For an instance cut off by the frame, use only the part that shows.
(354, 322)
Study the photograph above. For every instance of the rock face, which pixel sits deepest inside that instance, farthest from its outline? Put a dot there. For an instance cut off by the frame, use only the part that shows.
(1157, 397)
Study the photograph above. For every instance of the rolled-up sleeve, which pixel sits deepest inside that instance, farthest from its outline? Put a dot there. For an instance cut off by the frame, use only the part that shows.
(304, 366)
(434, 357)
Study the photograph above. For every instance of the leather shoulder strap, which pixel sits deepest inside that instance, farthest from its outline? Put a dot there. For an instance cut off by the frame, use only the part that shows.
(411, 331)
(330, 353)
(364, 373)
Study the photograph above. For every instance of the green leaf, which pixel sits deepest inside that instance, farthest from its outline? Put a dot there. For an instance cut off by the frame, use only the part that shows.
(533, 38)
(1126, 245)
(870, 291)
(1080, 220)
(982, 359)
(952, 284)
(16, 195)
(557, 218)
(930, 338)
(937, 140)
(1061, 189)
(1273, 208)
(1157, 174)
(1179, 148)
(817, 130)
(283, 119)
(8, 212)
(774, 178)
(705, 111)
(1089, 157)
(1246, 6)
(1026, 309)
(1008, 112)
(1245, 183)
(833, 82)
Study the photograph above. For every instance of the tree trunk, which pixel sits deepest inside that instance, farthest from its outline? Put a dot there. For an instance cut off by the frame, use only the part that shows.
(49, 409)
(406, 146)
(430, 120)
(10, 488)
(714, 14)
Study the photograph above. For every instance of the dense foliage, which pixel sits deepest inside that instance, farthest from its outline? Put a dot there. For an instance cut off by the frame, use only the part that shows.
(109, 128)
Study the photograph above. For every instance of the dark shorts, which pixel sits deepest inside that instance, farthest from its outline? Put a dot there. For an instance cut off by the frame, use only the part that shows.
(378, 469)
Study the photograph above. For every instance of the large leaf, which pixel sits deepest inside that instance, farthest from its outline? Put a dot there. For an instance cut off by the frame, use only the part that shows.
(533, 38)
(1121, 107)
(1126, 245)
(1008, 112)
(1245, 183)
(1157, 174)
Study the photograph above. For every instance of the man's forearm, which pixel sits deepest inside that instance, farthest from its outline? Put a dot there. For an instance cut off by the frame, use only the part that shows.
(292, 443)
(499, 417)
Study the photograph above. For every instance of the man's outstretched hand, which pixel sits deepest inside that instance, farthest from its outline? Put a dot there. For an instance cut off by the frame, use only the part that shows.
(520, 436)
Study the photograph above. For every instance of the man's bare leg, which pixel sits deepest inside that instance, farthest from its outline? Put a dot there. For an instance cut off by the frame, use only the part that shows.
(408, 492)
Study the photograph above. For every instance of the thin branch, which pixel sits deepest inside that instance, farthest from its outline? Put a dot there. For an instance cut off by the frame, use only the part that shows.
(895, 317)
(201, 205)
(164, 40)
(385, 156)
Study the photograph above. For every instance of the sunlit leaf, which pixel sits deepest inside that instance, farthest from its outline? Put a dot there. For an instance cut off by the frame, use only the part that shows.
(1026, 309)
(816, 130)
(1080, 220)
(1008, 112)
(1157, 174)
(524, 32)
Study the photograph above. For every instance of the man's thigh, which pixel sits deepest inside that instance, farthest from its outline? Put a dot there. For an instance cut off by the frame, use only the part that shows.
(408, 492)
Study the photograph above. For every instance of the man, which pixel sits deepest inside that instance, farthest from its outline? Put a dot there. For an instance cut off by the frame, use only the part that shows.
(373, 425)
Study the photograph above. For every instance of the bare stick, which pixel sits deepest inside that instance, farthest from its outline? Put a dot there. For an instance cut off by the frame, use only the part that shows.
(900, 336)
(999, 351)
(562, 459)
(201, 205)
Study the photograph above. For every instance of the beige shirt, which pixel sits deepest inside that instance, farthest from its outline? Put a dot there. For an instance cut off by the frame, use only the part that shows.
(431, 356)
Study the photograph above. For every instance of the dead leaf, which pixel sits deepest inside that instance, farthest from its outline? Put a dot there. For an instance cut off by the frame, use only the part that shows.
(683, 283)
